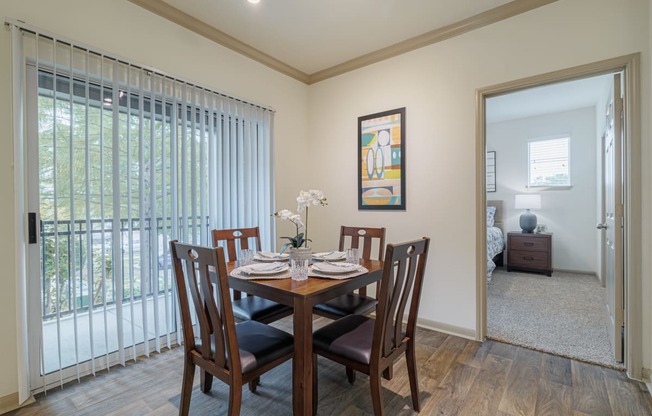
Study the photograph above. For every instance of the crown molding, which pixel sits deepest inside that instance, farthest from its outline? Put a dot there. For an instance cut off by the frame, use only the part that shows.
(193, 24)
(494, 15)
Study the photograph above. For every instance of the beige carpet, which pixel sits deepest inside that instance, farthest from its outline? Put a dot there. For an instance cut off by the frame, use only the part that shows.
(564, 314)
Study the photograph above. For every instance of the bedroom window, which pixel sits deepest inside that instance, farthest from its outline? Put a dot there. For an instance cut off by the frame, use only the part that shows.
(549, 162)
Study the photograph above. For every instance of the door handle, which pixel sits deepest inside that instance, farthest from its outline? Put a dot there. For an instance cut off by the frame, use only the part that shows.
(601, 226)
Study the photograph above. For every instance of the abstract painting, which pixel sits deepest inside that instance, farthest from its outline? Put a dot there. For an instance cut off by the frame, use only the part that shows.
(381, 160)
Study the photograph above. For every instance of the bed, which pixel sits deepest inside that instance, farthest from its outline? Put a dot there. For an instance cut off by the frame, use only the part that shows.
(495, 237)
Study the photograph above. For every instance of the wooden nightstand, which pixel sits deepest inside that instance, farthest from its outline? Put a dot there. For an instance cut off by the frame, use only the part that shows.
(529, 252)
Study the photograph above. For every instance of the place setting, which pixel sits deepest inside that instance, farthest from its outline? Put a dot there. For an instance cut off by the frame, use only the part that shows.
(269, 257)
(336, 270)
(253, 264)
(329, 256)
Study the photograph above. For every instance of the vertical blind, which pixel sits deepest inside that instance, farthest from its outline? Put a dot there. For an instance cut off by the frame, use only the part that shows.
(128, 158)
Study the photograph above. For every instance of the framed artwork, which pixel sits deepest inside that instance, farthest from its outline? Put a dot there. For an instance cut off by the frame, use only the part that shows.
(491, 171)
(381, 161)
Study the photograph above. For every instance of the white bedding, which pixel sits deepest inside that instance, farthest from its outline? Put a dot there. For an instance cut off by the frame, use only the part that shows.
(495, 245)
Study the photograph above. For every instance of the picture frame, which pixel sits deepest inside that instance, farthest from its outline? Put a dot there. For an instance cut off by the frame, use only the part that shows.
(381, 160)
(490, 164)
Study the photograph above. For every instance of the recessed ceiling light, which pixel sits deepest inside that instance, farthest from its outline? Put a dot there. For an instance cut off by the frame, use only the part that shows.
(254, 1)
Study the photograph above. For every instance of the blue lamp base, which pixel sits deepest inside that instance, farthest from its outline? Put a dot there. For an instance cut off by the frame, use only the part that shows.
(528, 221)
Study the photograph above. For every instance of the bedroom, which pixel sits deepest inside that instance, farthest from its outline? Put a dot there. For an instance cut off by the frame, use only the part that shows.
(539, 116)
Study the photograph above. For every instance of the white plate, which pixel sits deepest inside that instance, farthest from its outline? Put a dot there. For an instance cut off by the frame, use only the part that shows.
(264, 269)
(335, 268)
(330, 255)
(244, 276)
(340, 276)
(266, 256)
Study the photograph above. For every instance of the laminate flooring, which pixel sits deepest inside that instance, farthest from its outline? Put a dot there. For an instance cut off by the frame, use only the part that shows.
(456, 377)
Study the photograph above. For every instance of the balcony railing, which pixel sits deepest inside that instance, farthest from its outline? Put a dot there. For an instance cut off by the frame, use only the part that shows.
(65, 287)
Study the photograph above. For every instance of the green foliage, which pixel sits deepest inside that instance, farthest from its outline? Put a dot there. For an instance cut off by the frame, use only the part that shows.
(296, 242)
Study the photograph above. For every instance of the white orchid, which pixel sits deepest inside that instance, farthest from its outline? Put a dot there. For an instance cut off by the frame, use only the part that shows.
(311, 197)
(286, 214)
(304, 200)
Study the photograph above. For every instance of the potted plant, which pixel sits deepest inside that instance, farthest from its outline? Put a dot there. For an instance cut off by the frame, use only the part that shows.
(298, 244)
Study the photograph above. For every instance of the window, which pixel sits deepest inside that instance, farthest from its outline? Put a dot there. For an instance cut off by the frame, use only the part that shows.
(549, 162)
(124, 159)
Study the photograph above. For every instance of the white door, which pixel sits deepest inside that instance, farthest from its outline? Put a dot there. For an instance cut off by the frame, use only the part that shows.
(613, 225)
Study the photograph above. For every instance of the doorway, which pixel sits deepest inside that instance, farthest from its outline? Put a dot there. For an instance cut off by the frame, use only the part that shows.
(628, 65)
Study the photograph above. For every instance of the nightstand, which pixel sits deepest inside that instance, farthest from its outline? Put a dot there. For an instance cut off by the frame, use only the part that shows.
(529, 252)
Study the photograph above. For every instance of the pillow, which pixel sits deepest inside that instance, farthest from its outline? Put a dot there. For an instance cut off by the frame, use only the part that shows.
(491, 211)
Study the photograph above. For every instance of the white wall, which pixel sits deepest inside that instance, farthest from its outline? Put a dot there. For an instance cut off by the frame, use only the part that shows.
(571, 215)
(119, 27)
(437, 84)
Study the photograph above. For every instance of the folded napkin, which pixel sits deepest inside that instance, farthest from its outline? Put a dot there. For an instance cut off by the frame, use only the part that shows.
(330, 255)
(328, 267)
(263, 267)
(269, 255)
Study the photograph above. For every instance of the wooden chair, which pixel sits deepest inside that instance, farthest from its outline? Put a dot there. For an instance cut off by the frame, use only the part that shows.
(371, 346)
(236, 354)
(362, 238)
(249, 307)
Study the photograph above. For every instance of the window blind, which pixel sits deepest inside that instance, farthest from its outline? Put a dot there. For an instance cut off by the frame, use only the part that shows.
(549, 162)
(128, 158)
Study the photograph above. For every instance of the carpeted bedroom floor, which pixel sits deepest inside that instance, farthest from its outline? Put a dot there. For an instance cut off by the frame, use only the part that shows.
(564, 314)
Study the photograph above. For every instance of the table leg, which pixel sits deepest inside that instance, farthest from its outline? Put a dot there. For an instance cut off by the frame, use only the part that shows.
(302, 368)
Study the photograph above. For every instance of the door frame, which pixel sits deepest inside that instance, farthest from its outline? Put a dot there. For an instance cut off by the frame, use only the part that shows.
(630, 66)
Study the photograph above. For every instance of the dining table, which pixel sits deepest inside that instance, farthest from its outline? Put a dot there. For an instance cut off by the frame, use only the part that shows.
(303, 295)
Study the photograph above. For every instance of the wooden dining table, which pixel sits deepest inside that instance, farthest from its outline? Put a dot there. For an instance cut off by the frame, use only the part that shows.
(302, 296)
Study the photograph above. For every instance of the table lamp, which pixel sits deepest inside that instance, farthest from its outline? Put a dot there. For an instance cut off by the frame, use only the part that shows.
(527, 221)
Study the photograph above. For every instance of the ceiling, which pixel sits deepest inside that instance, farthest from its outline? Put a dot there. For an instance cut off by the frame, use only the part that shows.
(313, 40)
(562, 96)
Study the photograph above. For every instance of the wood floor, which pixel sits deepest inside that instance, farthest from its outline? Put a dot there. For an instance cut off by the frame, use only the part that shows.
(456, 377)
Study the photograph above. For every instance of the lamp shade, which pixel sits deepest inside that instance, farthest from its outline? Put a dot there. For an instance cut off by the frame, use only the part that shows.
(527, 201)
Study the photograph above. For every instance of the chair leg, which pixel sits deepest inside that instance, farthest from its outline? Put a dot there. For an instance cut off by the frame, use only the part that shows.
(410, 358)
(389, 372)
(376, 399)
(205, 381)
(315, 387)
(350, 374)
(253, 384)
(235, 399)
(186, 387)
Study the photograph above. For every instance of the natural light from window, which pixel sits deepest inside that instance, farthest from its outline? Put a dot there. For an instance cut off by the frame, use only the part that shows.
(549, 162)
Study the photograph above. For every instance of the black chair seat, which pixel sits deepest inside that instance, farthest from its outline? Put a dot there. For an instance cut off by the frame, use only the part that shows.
(348, 304)
(260, 344)
(259, 309)
(350, 337)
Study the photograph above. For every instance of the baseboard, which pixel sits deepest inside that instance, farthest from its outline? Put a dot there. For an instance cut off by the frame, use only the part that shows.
(446, 328)
(575, 271)
(10, 402)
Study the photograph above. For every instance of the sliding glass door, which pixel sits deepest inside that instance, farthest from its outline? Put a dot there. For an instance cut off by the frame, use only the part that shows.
(122, 160)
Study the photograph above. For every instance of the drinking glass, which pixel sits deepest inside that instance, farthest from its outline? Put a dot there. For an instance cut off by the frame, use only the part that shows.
(353, 255)
(299, 269)
(246, 257)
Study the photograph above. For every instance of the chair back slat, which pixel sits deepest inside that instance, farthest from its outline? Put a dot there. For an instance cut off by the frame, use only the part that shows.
(236, 239)
(193, 267)
(401, 282)
(365, 235)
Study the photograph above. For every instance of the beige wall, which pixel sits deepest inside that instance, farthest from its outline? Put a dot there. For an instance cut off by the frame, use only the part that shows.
(437, 84)
(317, 126)
(119, 27)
